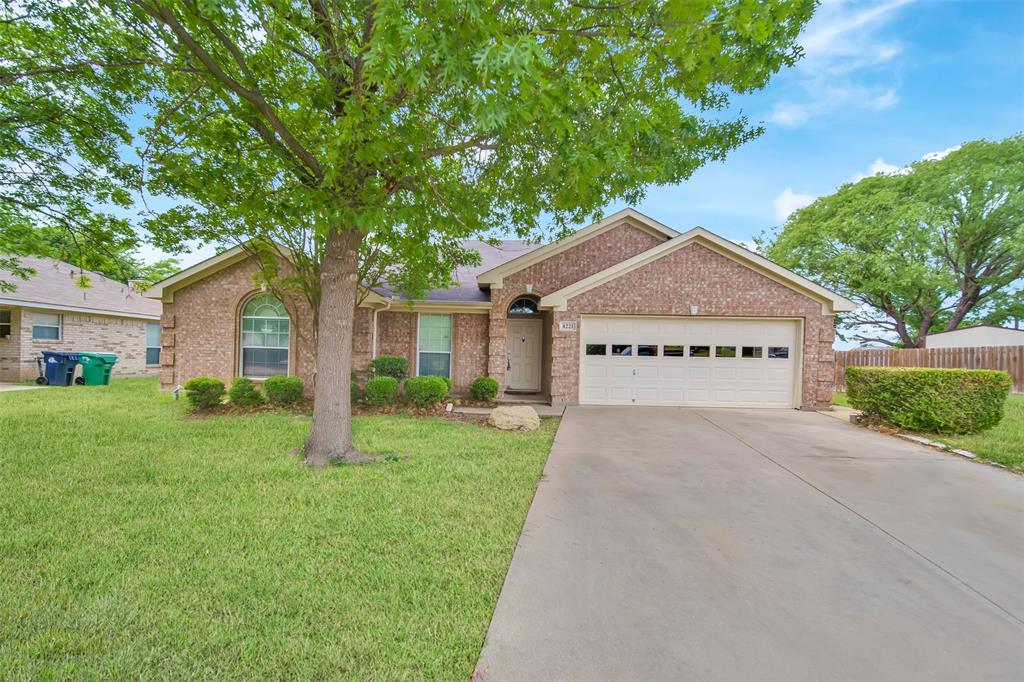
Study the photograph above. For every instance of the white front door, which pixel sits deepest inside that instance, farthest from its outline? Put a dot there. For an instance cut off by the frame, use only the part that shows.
(523, 369)
(689, 361)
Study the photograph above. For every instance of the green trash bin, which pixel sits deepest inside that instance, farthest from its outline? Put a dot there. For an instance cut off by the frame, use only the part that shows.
(96, 368)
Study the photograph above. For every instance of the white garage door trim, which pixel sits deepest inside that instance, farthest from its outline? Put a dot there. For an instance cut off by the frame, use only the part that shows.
(697, 373)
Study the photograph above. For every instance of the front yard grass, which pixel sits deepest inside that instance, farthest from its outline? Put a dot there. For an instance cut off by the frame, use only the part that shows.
(135, 544)
(1003, 443)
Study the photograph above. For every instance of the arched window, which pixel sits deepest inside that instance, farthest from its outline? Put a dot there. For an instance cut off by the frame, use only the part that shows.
(265, 332)
(523, 306)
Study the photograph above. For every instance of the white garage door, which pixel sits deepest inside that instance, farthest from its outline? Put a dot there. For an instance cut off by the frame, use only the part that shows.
(733, 362)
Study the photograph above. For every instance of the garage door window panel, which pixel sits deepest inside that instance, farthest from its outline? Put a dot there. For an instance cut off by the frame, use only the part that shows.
(622, 349)
(700, 351)
(778, 352)
(671, 351)
(752, 352)
(647, 350)
(597, 349)
(725, 351)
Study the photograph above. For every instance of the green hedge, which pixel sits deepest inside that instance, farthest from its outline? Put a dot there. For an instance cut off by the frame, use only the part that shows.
(390, 366)
(245, 393)
(204, 392)
(381, 390)
(484, 388)
(923, 399)
(425, 391)
(283, 391)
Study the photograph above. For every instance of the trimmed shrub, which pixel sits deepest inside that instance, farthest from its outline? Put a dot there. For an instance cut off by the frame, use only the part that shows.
(355, 391)
(425, 391)
(390, 366)
(925, 399)
(484, 388)
(283, 391)
(381, 390)
(204, 392)
(449, 383)
(244, 393)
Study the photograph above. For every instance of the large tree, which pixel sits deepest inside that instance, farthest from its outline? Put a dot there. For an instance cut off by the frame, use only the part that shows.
(64, 125)
(929, 248)
(401, 127)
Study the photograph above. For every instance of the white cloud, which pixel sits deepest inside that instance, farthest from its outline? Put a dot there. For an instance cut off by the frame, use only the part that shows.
(839, 42)
(887, 99)
(883, 167)
(789, 201)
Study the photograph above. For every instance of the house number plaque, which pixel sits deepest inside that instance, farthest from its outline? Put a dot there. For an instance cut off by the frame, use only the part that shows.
(566, 326)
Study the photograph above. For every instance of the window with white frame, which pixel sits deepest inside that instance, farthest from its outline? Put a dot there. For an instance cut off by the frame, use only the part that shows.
(152, 343)
(435, 345)
(5, 323)
(265, 334)
(46, 326)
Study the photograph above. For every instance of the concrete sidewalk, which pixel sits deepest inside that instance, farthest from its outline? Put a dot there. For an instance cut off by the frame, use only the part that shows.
(672, 543)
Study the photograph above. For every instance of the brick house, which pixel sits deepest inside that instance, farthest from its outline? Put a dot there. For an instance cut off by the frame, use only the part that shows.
(624, 312)
(48, 312)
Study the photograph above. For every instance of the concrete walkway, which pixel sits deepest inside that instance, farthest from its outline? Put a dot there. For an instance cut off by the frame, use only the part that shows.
(4, 387)
(668, 544)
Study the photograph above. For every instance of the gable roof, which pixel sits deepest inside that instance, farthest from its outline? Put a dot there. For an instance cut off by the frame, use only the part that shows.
(465, 290)
(53, 287)
(831, 301)
(494, 278)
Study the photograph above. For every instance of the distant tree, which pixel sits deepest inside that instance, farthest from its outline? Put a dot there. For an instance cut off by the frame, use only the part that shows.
(399, 128)
(925, 250)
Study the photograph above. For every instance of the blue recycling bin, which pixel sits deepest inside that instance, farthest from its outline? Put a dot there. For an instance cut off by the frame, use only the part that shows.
(60, 367)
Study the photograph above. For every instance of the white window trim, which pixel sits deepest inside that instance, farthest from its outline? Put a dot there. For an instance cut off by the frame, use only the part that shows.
(159, 346)
(241, 348)
(451, 335)
(59, 325)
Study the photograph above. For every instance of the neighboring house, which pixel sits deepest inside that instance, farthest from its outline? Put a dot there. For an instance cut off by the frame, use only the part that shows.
(978, 336)
(48, 312)
(624, 312)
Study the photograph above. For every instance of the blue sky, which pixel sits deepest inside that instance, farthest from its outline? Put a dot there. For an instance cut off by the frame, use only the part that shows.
(882, 84)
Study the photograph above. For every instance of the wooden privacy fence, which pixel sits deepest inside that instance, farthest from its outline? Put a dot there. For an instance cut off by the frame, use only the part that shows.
(1007, 358)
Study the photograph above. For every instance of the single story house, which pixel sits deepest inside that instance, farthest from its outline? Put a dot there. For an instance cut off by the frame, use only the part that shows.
(49, 312)
(624, 312)
(978, 336)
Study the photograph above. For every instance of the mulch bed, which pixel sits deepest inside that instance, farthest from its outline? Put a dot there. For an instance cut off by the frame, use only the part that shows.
(359, 410)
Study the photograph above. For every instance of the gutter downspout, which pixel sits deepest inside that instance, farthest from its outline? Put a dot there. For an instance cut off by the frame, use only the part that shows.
(373, 346)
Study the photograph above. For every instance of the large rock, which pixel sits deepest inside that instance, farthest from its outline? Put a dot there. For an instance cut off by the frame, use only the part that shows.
(514, 418)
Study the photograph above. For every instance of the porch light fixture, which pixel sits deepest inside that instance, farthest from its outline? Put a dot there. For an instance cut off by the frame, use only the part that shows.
(693, 309)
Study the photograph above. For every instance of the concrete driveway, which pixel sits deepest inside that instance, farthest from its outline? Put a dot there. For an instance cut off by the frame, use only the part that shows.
(671, 543)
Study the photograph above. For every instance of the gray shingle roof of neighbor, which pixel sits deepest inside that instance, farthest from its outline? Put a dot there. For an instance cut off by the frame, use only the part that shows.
(466, 289)
(53, 284)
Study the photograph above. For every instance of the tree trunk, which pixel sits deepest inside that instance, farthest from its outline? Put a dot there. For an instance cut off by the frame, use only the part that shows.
(331, 435)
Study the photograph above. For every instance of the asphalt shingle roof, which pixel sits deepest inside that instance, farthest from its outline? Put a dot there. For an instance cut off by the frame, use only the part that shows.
(53, 284)
(467, 290)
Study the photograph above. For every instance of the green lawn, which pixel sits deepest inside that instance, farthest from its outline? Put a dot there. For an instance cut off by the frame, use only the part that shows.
(1004, 443)
(137, 544)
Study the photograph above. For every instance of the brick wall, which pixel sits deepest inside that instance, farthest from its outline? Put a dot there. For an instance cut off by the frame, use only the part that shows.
(554, 273)
(79, 332)
(201, 329)
(719, 286)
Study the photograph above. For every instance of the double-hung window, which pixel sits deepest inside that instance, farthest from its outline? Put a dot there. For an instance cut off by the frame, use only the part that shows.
(46, 326)
(5, 323)
(152, 343)
(435, 345)
(265, 335)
